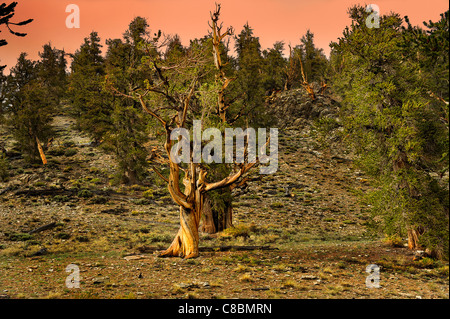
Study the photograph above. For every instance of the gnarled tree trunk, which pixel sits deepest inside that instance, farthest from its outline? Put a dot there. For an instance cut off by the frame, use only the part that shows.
(185, 243)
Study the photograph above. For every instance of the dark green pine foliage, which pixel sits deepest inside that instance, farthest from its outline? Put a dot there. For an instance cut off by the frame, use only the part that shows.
(315, 62)
(90, 105)
(249, 85)
(127, 72)
(30, 109)
(274, 68)
(395, 126)
(51, 70)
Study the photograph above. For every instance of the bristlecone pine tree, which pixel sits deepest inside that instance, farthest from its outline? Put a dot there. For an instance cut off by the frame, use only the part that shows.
(170, 97)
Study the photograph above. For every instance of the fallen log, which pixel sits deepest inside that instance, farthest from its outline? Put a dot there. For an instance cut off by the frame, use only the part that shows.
(115, 211)
(5, 190)
(42, 228)
(44, 192)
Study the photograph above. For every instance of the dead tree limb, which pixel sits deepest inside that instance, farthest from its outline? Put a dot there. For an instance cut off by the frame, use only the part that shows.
(305, 82)
(42, 228)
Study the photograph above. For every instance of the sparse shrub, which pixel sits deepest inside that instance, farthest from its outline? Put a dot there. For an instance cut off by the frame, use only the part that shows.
(85, 193)
(166, 199)
(393, 241)
(427, 262)
(82, 239)
(12, 251)
(277, 205)
(99, 200)
(238, 231)
(68, 144)
(141, 201)
(57, 151)
(70, 152)
(144, 230)
(342, 265)
(96, 180)
(241, 268)
(155, 238)
(61, 198)
(247, 277)
(20, 237)
(268, 238)
(148, 194)
(289, 283)
(39, 184)
(62, 236)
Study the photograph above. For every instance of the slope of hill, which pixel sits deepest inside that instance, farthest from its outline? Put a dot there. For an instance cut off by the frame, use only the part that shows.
(302, 231)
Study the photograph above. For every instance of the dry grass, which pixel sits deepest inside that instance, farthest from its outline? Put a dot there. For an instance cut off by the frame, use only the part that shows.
(247, 277)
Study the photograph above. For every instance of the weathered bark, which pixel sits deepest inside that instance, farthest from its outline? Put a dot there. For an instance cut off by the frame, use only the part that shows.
(414, 234)
(413, 239)
(186, 241)
(209, 225)
(41, 151)
(217, 37)
(305, 82)
(217, 219)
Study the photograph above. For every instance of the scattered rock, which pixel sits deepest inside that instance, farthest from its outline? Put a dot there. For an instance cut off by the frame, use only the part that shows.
(298, 106)
(99, 280)
(309, 277)
(135, 257)
(40, 252)
(115, 211)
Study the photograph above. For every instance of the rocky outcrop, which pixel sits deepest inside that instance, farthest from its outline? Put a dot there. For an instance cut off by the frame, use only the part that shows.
(295, 106)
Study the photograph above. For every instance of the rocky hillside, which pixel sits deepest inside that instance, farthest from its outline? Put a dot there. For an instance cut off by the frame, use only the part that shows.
(294, 107)
(306, 219)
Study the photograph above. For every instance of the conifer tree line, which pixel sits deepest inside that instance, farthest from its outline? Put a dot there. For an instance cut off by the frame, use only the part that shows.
(392, 82)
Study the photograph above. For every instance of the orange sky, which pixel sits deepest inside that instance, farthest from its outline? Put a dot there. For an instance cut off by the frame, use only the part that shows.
(272, 20)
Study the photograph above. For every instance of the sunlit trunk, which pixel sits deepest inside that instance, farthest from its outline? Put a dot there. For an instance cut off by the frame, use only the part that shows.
(185, 244)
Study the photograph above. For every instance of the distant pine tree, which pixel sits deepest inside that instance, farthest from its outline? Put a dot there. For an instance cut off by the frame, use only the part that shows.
(31, 108)
(90, 105)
